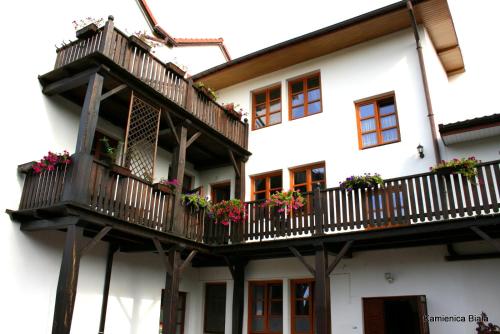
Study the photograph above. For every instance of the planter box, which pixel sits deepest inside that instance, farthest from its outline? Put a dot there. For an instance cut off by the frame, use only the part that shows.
(120, 170)
(445, 171)
(162, 187)
(87, 31)
(134, 40)
(176, 69)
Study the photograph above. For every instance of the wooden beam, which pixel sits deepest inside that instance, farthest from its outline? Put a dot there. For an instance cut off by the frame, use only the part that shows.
(113, 91)
(238, 295)
(68, 281)
(302, 260)
(187, 261)
(193, 138)
(230, 266)
(178, 170)
(89, 114)
(322, 312)
(339, 256)
(164, 259)
(233, 161)
(171, 125)
(72, 82)
(486, 237)
(164, 132)
(469, 257)
(107, 281)
(171, 294)
(96, 239)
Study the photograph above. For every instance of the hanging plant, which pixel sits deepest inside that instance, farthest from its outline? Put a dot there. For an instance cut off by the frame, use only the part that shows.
(206, 90)
(286, 201)
(231, 211)
(466, 167)
(195, 201)
(50, 161)
(366, 181)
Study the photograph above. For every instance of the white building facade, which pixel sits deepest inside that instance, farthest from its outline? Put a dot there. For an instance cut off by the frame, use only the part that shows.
(433, 278)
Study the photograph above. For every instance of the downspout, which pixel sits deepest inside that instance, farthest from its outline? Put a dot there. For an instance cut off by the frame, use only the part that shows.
(430, 113)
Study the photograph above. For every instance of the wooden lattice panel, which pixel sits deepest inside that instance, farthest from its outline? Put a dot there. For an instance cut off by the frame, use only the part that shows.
(142, 137)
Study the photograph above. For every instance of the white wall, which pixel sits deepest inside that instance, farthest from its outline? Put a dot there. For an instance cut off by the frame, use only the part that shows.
(379, 66)
(451, 288)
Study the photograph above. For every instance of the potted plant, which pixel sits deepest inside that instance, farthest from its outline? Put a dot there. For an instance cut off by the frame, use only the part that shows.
(111, 154)
(465, 166)
(485, 327)
(166, 185)
(366, 181)
(50, 161)
(195, 201)
(209, 92)
(231, 211)
(286, 201)
(142, 40)
(234, 110)
(87, 27)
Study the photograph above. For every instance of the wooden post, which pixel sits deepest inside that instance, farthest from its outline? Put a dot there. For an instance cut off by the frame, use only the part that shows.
(322, 315)
(318, 213)
(105, 293)
(171, 293)
(76, 189)
(107, 34)
(238, 273)
(68, 280)
(178, 168)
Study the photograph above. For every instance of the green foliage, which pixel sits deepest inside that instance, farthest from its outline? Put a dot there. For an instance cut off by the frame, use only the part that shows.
(195, 201)
(365, 181)
(110, 151)
(207, 90)
(465, 166)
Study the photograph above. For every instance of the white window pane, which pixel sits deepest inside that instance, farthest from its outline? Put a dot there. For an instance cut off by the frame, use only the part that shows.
(260, 110)
(298, 99)
(275, 106)
(275, 118)
(366, 110)
(298, 112)
(388, 121)
(386, 107)
(369, 139)
(313, 95)
(314, 108)
(389, 135)
(260, 122)
(368, 125)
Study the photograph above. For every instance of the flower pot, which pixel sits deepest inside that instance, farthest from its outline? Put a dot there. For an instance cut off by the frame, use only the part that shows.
(134, 40)
(162, 188)
(120, 170)
(87, 31)
(176, 69)
(445, 171)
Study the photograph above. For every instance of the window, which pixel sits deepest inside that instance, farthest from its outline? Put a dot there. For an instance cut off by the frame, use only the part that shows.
(304, 178)
(265, 185)
(220, 192)
(302, 292)
(215, 308)
(181, 313)
(265, 307)
(304, 96)
(266, 107)
(377, 122)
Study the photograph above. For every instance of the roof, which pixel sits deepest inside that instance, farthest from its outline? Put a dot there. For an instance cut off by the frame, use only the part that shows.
(433, 14)
(470, 129)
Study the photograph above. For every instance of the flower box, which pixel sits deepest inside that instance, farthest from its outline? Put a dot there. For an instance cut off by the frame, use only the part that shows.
(87, 31)
(162, 188)
(465, 166)
(445, 171)
(176, 69)
(134, 40)
(366, 181)
(120, 170)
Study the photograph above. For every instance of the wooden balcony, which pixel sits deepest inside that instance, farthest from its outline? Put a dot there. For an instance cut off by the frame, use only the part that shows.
(112, 48)
(418, 202)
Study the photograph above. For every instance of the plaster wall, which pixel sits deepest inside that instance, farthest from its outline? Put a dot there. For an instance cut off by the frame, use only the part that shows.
(332, 136)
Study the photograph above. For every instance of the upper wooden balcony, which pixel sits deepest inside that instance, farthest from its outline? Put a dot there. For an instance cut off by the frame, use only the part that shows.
(140, 69)
(410, 205)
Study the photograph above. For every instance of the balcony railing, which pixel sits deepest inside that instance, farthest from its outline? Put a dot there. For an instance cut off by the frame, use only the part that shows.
(163, 78)
(416, 199)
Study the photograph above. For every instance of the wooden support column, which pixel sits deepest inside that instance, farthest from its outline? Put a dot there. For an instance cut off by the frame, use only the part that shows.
(237, 269)
(68, 280)
(171, 292)
(77, 187)
(178, 169)
(322, 315)
(107, 281)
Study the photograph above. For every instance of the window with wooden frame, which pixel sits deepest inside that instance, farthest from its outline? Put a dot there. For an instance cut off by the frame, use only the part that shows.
(263, 186)
(302, 306)
(377, 121)
(266, 107)
(215, 308)
(304, 96)
(265, 307)
(304, 178)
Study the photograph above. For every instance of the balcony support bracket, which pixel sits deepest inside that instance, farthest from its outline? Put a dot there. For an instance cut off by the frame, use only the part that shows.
(113, 92)
(486, 237)
(339, 256)
(193, 138)
(302, 260)
(102, 233)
